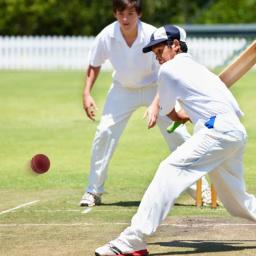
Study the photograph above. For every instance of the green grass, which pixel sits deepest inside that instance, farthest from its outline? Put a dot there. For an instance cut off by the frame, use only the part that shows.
(41, 112)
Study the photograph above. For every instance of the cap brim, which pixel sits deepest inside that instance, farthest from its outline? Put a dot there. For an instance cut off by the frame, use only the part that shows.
(148, 47)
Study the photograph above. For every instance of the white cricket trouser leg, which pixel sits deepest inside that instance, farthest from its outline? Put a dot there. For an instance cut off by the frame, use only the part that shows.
(119, 106)
(175, 139)
(205, 151)
(237, 201)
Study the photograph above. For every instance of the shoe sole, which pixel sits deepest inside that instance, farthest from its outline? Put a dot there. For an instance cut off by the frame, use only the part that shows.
(136, 253)
(89, 205)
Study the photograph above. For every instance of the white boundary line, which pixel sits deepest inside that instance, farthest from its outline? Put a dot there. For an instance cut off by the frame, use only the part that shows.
(85, 210)
(125, 223)
(63, 210)
(210, 225)
(19, 206)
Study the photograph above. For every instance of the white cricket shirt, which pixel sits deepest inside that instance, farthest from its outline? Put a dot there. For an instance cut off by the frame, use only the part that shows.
(132, 67)
(200, 92)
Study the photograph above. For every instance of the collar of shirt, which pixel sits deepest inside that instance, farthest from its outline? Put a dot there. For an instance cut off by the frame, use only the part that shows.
(116, 33)
(183, 55)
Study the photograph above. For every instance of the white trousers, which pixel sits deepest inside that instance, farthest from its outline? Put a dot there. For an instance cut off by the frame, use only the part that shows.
(120, 104)
(208, 151)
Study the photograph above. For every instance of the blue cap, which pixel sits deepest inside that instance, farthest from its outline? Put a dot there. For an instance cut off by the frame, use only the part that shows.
(163, 34)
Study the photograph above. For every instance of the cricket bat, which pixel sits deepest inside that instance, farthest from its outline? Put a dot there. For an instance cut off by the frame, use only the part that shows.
(233, 72)
(244, 62)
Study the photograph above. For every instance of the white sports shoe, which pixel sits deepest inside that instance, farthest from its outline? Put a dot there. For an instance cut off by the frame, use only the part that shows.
(90, 200)
(112, 250)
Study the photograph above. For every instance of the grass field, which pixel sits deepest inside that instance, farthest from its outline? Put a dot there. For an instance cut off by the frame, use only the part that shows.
(41, 112)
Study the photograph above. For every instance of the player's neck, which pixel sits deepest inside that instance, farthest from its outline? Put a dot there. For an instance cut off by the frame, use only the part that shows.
(130, 36)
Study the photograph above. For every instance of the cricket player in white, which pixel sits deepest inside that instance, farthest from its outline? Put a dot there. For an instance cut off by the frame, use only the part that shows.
(134, 86)
(216, 147)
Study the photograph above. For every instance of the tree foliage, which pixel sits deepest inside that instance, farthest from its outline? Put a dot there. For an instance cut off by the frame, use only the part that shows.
(88, 17)
(230, 11)
(54, 17)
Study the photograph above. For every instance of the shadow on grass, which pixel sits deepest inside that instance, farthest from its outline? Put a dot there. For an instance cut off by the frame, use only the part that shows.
(137, 203)
(202, 246)
(186, 205)
(123, 203)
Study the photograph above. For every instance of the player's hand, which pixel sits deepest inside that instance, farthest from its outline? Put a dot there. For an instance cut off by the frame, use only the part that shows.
(90, 107)
(183, 116)
(151, 114)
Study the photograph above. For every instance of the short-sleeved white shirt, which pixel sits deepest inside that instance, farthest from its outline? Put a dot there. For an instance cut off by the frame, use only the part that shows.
(132, 67)
(200, 92)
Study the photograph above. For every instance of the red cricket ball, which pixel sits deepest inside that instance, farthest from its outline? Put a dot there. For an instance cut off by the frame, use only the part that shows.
(40, 163)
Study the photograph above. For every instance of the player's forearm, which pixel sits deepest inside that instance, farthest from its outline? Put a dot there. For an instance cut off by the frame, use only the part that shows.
(91, 76)
(156, 101)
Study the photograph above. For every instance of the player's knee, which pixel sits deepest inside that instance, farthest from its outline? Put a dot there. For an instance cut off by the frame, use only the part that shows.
(166, 169)
(163, 165)
(103, 132)
(105, 126)
(170, 163)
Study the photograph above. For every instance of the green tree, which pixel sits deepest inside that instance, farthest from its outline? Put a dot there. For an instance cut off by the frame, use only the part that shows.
(88, 17)
(172, 11)
(54, 17)
(229, 11)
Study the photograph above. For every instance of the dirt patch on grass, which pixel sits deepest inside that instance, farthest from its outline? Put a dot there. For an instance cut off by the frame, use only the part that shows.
(176, 236)
(204, 236)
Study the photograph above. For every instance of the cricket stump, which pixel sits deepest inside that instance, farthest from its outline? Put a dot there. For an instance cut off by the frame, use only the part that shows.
(199, 201)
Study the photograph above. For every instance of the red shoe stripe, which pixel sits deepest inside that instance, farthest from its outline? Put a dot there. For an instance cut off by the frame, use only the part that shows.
(136, 253)
(140, 253)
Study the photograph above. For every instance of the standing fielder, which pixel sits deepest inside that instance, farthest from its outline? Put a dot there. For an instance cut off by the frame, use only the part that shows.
(216, 148)
(133, 86)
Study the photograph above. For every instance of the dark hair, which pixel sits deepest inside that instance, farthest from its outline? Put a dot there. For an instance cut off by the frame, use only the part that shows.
(121, 5)
(183, 45)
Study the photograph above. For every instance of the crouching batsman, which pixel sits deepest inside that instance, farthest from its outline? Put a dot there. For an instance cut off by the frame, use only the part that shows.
(216, 147)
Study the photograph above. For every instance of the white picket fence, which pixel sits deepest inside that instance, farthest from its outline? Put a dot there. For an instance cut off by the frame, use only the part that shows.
(47, 53)
(214, 52)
